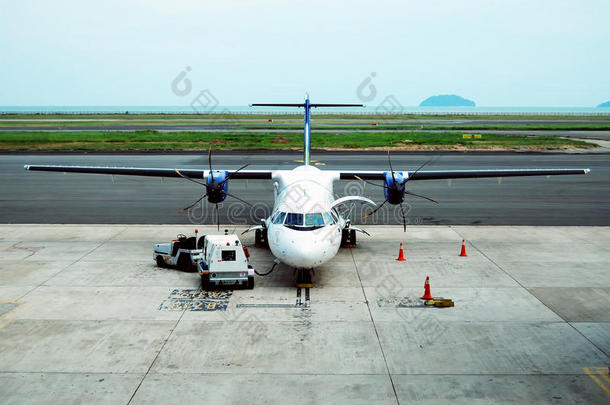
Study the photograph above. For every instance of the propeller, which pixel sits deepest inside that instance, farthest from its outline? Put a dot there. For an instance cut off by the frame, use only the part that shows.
(213, 187)
(397, 187)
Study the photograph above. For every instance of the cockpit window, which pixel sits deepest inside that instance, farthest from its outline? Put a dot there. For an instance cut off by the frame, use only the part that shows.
(335, 217)
(328, 218)
(314, 219)
(279, 217)
(294, 219)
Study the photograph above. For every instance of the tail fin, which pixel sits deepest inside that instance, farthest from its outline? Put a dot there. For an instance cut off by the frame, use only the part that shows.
(307, 125)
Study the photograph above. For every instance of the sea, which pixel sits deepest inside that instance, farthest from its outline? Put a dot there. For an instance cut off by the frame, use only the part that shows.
(373, 110)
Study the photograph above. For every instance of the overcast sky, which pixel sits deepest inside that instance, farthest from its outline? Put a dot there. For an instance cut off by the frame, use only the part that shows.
(128, 52)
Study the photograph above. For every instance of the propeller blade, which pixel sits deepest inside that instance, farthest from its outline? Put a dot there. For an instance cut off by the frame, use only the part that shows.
(217, 217)
(418, 169)
(404, 220)
(193, 204)
(421, 196)
(370, 182)
(391, 169)
(210, 162)
(210, 157)
(236, 197)
(375, 210)
(188, 178)
(230, 175)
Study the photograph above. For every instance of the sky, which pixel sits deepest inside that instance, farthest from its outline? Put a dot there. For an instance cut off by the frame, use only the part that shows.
(553, 53)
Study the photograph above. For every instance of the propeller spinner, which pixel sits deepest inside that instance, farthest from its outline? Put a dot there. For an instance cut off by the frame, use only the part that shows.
(395, 189)
(216, 186)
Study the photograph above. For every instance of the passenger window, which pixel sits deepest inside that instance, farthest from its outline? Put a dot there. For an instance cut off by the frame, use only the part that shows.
(279, 218)
(314, 219)
(328, 218)
(294, 219)
(228, 255)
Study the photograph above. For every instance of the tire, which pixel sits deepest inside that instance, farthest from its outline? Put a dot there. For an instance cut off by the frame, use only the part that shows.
(160, 262)
(184, 262)
(205, 281)
(250, 283)
(260, 239)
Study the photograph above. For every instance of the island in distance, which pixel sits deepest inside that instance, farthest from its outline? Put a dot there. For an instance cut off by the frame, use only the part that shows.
(606, 104)
(447, 100)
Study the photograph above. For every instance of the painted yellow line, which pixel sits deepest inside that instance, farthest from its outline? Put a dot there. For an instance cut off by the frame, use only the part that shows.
(10, 315)
(600, 371)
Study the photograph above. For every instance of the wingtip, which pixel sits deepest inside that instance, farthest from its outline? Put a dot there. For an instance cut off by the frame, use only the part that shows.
(587, 171)
(26, 167)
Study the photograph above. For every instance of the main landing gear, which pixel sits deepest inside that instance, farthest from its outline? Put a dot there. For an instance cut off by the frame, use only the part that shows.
(260, 239)
(348, 238)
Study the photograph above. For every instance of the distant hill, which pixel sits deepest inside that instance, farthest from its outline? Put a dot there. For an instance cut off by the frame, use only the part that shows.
(606, 104)
(447, 100)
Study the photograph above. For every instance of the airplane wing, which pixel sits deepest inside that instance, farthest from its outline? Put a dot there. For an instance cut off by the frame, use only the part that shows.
(266, 174)
(150, 172)
(460, 174)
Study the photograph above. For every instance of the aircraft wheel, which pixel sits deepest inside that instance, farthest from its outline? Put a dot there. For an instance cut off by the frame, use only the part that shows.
(260, 239)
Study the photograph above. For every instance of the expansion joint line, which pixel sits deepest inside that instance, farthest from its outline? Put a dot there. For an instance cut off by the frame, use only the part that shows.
(74, 262)
(171, 332)
(525, 288)
(385, 360)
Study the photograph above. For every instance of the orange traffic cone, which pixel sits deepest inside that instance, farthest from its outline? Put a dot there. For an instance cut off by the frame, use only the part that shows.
(427, 295)
(463, 252)
(401, 254)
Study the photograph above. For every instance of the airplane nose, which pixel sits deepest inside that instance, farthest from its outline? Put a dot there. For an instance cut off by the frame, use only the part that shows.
(309, 257)
(302, 249)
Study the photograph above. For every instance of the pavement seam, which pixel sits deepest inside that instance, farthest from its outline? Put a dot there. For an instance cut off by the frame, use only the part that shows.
(171, 332)
(72, 263)
(81, 257)
(385, 361)
(567, 322)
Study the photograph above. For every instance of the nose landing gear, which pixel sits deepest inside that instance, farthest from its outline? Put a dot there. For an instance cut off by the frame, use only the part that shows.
(305, 278)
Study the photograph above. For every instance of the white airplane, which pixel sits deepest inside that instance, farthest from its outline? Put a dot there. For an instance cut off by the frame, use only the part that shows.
(305, 229)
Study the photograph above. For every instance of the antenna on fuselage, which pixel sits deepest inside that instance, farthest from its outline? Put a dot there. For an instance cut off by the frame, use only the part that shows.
(307, 122)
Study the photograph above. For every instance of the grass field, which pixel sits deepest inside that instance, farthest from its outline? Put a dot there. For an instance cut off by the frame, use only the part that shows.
(297, 126)
(354, 117)
(154, 140)
(284, 131)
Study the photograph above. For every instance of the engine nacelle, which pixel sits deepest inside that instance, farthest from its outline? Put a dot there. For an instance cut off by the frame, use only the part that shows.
(215, 184)
(395, 190)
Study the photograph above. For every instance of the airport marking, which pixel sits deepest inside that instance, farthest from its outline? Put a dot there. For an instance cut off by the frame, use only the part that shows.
(10, 314)
(400, 302)
(600, 376)
(196, 300)
(299, 304)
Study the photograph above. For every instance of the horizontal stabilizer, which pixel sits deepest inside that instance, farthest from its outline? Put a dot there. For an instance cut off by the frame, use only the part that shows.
(303, 105)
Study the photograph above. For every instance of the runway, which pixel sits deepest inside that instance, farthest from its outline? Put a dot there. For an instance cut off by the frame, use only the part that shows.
(37, 197)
